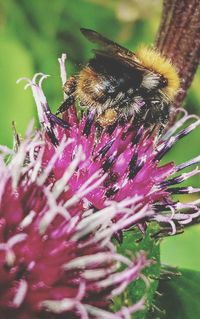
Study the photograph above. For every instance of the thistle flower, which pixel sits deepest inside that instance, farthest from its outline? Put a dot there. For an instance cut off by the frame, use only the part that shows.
(51, 264)
(123, 163)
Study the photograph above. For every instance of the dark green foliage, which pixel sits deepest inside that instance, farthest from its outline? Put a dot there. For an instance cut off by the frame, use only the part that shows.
(133, 242)
(179, 297)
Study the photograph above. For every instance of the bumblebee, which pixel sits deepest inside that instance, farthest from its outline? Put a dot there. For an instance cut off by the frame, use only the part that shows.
(118, 84)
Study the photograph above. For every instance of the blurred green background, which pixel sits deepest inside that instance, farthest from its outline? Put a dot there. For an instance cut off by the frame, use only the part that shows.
(34, 34)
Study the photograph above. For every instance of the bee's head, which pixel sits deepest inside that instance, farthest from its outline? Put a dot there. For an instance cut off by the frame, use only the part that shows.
(160, 68)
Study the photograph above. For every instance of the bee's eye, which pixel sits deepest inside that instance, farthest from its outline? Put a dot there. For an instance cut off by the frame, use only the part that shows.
(163, 82)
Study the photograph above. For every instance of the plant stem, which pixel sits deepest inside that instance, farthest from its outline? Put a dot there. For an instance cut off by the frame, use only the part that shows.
(178, 38)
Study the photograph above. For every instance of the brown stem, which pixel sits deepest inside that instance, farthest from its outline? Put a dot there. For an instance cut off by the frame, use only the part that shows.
(178, 38)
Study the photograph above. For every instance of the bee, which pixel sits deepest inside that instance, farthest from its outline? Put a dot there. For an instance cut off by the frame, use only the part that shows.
(118, 84)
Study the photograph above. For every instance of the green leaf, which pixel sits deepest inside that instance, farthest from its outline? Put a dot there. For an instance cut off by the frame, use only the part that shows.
(179, 297)
(133, 243)
(182, 250)
(16, 104)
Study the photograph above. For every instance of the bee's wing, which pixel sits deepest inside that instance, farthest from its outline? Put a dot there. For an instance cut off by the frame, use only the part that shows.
(106, 44)
(112, 49)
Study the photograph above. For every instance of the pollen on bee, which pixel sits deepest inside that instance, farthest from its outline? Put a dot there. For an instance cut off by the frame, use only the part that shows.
(107, 118)
(153, 60)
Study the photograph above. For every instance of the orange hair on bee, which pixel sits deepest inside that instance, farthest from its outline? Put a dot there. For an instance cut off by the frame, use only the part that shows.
(153, 60)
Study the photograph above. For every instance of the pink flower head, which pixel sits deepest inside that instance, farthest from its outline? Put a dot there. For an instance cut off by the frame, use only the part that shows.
(56, 257)
(122, 163)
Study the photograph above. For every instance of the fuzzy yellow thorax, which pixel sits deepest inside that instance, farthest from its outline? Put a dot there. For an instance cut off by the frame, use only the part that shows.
(153, 60)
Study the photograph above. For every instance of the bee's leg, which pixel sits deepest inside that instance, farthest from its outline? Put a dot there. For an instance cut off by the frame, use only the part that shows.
(69, 89)
(65, 105)
(56, 120)
(164, 117)
(88, 123)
